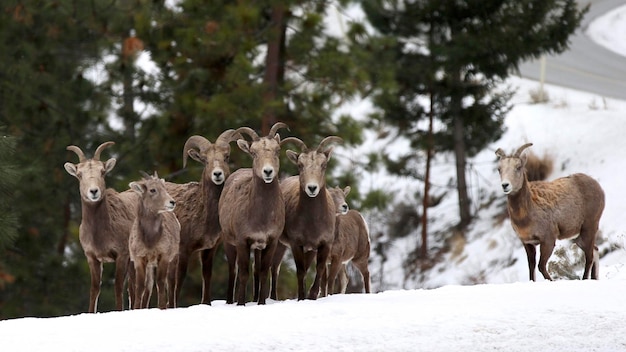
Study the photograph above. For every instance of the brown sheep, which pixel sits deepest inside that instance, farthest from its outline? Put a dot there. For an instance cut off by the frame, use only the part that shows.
(153, 241)
(252, 213)
(542, 212)
(309, 214)
(198, 208)
(107, 217)
(351, 244)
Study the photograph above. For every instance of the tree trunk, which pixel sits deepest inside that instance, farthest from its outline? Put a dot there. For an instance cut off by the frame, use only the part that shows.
(274, 66)
(425, 201)
(459, 153)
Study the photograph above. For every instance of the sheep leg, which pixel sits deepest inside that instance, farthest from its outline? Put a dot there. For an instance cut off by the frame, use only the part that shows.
(131, 284)
(531, 255)
(322, 258)
(301, 269)
(178, 276)
(243, 272)
(586, 242)
(161, 283)
(277, 260)
(365, 273)
(121, 272)
(545, 251)
(147, 295)
(343, 279)
(172, 283)
(324, 287)
(95, 269)
(140, 283)
(255, 275)
(267, 257)
(231, 257)
(335, 266)
(207, 256)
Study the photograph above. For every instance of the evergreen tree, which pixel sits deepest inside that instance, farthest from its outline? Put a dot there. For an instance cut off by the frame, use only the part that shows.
(459, 53)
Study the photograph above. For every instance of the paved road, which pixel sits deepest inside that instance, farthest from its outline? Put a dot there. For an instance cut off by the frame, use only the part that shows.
(586, 66)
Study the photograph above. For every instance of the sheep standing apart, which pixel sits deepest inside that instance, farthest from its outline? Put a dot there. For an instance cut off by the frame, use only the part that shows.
(107, 217)
(252, 213)
(542, 212)
(198, 208)
(351, 244)
(309, 215)
(153, 241)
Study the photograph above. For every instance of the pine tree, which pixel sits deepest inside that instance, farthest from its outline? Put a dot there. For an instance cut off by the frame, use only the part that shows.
(460, 52)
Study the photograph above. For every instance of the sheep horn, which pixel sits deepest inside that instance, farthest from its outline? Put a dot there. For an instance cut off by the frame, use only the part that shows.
(296, 141)
(249, 131)
(78, 151)
(194, 142)
(521, 149)
(277, 126)
(96, 154)
(500, 153)
(145, 175)
(228, 136)
(329, 139)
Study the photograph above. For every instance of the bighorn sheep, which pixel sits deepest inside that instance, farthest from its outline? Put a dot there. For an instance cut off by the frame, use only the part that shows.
(542, 212)
(309, 215)
(252, 213)
(197, 208)
(352, 243)
(153, 241)
(107, 217)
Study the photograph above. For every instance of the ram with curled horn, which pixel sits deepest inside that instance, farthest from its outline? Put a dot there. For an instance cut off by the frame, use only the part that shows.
(309, 215)
(197, 208)
(107, 218)
(252, 213)
(543, 212)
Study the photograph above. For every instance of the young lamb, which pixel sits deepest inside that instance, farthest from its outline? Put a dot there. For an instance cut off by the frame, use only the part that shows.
(107, 217)
(542, 212)
(352, 244)
(252, 213)
(153, 241)
(197, 208)
(309, 214)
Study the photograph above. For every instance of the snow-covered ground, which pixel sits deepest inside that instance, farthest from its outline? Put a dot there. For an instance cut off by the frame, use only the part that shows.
(582, 132)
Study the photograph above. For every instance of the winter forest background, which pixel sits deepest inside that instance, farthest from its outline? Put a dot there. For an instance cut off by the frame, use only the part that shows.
(149, 74)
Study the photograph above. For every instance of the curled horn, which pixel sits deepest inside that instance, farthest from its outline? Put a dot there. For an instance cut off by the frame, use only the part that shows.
(521, 149)
(194, 142)
(96, 154)
(296, 141)
(329, 139)
(228, 136)
(78, 151)
(275, 128)
(249, 131)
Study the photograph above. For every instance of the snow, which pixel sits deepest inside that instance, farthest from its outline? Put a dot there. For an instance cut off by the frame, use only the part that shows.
(583, 132)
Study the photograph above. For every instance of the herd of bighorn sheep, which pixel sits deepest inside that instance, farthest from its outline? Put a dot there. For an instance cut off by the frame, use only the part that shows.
(151, 230)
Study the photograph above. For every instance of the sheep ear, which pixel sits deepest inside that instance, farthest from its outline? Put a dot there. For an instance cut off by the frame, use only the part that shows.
(243, 145)
(139, 188)
(70, 168)
(196, 156)
(500, 153)
(346, 190)
(109, 165)
(292, 156)
(524, 158)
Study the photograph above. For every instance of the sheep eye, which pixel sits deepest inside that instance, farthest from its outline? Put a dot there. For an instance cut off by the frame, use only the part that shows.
(153, 190)
(226, 158)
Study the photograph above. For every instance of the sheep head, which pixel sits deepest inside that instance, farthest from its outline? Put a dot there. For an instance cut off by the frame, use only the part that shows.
(511, 169)
(90, 172)
(339, 198)
(214, 156)
(153, 194)
(265, 151)
(312, 164)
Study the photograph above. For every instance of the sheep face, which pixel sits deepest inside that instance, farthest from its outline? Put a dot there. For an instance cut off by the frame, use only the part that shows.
(265, 154)
(339, 198)
(215, 161)
(90, 174)
(312, 169)
(511, 170)
(154, 196)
